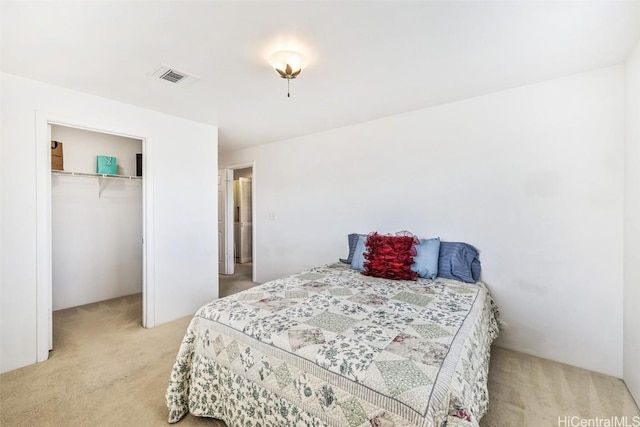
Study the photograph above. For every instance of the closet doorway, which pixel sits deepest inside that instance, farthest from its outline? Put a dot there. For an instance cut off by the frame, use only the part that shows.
(237, 254)
(96, 217)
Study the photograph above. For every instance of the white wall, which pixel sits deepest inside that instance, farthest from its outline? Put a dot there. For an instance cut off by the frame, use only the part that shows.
(533, 177)
(81, 147)
(632, 226)
(96, 223)
(180, 189)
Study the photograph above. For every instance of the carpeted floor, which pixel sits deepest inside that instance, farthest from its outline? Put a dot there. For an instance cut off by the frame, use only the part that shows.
(106, 370)
(240, 280)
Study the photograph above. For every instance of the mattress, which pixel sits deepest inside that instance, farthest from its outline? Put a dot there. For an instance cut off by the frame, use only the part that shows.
(332, 347)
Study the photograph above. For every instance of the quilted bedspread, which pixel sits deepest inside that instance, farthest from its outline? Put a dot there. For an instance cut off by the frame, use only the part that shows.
(332, 347)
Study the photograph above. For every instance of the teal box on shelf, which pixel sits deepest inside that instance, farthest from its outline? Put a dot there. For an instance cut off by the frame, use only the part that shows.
(106, 165)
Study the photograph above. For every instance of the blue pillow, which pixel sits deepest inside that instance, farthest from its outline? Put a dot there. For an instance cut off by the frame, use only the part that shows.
(353, 240)
(425, 263)
(459, 261)
(357, 263)
(475, 269)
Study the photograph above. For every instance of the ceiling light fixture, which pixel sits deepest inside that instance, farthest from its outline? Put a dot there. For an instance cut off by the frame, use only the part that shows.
(288, 64)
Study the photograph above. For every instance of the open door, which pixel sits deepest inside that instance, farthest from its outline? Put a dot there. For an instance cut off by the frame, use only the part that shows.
(50, 287)
(225, 255)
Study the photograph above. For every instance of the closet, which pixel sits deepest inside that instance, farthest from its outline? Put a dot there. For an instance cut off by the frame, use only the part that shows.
(96, 220)
(242, 215)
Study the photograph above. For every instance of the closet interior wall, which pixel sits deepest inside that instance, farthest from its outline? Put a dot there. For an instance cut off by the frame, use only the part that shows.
(96, 222)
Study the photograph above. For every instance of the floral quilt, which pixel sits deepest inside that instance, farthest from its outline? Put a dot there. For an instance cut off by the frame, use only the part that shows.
(332, 347)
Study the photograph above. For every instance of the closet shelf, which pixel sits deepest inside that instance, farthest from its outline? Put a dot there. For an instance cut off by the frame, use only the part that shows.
(99, 175)
(102, 182)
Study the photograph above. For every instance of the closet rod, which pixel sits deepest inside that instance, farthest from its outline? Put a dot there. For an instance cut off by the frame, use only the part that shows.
(101, 175)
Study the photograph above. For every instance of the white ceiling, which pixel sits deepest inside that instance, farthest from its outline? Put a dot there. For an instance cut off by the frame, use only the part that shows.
(366, 59)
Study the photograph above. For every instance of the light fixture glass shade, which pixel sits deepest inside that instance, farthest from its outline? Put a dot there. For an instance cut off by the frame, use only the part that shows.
(280, 59)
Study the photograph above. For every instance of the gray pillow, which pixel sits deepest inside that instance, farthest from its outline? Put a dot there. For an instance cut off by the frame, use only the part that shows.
(353, 241)
(459, 261)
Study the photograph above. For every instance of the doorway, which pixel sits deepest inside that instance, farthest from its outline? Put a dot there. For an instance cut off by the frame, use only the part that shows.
(44, 302)
(237, 227)
(96, 217)
(242, 216)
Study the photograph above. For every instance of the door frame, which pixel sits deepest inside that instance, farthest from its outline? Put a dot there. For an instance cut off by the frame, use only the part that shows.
(228, 220)
(44, 276)
(235, 238)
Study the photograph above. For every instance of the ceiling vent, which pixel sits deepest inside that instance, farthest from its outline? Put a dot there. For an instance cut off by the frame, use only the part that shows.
(171, 75)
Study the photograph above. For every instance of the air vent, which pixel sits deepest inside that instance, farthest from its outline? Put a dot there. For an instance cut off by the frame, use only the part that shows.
(171, 75)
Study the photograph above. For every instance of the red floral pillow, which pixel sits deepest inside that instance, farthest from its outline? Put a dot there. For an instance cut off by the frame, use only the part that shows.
(390, 257)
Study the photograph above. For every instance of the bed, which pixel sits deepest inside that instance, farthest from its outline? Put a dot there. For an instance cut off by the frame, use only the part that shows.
(332, 347)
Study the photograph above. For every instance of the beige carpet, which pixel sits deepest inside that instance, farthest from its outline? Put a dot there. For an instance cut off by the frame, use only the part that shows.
(238, 281)
(106, 370)
(529, 391)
